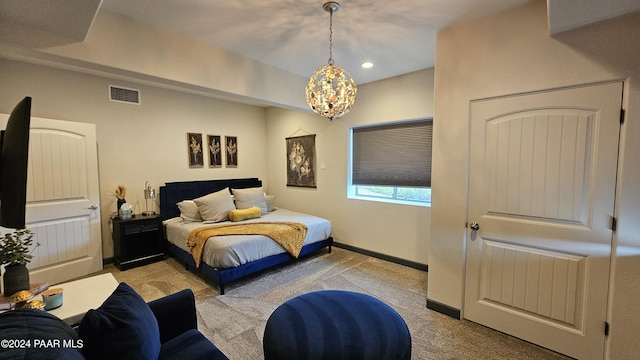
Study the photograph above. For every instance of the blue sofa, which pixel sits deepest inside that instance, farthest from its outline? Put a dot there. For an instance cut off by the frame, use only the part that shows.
(124, 327)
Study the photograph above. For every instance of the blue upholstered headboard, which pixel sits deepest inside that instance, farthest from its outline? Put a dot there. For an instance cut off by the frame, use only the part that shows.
(173, 192)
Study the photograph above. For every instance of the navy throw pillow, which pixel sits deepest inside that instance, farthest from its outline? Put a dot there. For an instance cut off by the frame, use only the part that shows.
(123, 327)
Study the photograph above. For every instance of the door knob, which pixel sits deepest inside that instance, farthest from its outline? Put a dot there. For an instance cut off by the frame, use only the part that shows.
(92, 207)
(474, 226)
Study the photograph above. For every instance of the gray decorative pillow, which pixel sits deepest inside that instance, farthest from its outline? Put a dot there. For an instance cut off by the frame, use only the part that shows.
(270, 200)
(215, 206)
(189, 210)
(246, 198)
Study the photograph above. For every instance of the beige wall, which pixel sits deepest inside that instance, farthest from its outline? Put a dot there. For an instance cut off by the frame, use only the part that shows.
(512, 53)
(143, 142)
(397, 230)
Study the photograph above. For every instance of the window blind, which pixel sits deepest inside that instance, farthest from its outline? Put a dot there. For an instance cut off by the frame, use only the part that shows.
(392, 154)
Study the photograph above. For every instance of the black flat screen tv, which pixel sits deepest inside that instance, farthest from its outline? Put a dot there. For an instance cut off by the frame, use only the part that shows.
(14, 151)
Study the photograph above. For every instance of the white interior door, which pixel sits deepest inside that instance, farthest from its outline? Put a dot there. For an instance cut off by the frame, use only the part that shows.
(62, 200)
(541, 200)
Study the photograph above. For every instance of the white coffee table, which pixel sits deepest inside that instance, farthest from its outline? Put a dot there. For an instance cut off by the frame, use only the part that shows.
(80, 296)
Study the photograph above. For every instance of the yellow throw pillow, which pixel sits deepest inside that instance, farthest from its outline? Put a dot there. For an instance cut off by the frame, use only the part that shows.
(243, 214)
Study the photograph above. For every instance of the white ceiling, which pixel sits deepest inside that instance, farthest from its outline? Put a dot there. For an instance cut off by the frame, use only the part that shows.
(570, 14)
(397, 36)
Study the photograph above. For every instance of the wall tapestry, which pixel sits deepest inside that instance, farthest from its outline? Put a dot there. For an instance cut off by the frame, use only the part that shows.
(301, 160)
(194, 149)
(232, 150)
(215, 151)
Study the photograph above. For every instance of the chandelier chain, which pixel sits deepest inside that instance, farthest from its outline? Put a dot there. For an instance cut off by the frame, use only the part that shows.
(330, 37)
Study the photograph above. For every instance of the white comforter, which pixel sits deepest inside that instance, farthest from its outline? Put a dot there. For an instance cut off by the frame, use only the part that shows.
(235, 250)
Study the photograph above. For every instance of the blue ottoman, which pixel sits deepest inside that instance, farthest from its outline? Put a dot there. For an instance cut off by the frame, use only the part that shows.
(335, 325)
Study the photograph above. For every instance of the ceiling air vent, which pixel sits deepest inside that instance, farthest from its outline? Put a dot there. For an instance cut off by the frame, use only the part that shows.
(126, 95)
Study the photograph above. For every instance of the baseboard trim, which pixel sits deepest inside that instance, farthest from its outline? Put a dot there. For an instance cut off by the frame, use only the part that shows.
(409, 263)
(107, 261)
(443, 309)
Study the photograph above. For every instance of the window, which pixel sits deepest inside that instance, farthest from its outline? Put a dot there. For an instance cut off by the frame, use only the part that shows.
(392, 162)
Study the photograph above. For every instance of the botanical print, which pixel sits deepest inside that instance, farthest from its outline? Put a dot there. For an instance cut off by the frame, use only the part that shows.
(232, 151)
(195, 150)
(301, 151)
(215, 151)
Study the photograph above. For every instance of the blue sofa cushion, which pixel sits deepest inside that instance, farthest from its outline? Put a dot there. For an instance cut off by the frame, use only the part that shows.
(334, 324)
(190, 345)
(39, 335)
(123, 327)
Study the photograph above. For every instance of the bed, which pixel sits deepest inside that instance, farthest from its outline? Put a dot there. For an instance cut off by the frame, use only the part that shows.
(231, 257)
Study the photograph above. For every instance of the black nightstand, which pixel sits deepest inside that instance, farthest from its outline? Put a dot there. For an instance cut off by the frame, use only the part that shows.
(137, 241)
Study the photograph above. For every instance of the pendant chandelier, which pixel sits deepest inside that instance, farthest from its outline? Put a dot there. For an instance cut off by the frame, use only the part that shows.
(331, 91)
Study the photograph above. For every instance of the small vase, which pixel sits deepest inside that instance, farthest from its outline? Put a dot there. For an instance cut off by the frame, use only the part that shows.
(120, 202)
(16, 278)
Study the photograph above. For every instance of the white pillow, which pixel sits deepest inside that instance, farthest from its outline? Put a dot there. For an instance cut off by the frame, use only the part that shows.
(189, 210)
(246, 198)
(215, 206)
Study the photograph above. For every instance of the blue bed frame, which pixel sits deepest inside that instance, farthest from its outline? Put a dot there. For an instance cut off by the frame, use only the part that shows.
(173, 192)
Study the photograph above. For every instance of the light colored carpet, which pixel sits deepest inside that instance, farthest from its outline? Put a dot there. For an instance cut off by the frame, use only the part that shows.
(235, 321)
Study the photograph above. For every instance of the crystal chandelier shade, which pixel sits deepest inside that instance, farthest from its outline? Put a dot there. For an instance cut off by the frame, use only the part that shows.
(331, 91)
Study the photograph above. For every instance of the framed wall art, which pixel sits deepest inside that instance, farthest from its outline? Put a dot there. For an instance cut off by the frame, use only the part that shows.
(215, 151)
(301, 161)
(194, 149)
(231, 149)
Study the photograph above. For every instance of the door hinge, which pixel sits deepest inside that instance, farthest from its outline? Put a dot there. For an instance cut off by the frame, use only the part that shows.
(614, 223)
(606, 328)
(622, 116)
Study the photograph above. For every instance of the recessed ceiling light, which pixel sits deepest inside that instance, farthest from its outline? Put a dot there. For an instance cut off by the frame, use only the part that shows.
(367, 65)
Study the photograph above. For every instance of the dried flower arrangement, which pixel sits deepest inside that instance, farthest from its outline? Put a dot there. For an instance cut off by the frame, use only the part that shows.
(120, 192)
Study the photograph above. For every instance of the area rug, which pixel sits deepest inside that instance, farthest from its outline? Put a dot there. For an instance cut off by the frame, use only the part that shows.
(235, 321)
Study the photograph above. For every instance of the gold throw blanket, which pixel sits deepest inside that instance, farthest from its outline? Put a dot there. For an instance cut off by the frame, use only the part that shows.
(290, 235)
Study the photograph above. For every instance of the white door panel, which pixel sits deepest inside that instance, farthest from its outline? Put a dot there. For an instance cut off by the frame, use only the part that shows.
(541, 189)
(62, 189)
